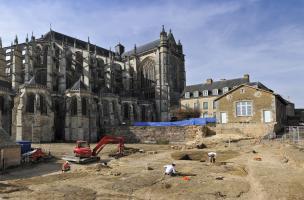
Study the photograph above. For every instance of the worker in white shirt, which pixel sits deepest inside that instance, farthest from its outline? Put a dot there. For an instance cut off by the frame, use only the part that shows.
(170, 169)
(212, 156)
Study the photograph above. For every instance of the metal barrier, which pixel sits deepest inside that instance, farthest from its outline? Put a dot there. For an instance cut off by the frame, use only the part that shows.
(294, 134)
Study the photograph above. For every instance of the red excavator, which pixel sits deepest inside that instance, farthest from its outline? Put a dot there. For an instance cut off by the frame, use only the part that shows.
(83, 153)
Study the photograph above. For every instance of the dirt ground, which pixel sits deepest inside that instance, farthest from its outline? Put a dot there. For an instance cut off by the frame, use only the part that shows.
(246, 169)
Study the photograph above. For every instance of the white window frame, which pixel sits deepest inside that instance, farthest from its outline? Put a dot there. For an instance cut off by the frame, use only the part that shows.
(205, 93)
(221, 118)
(225, 90)
(205, 115)
(187, 105)
(214, 104)
(196, 94)
(205, 103)
(187, 95)
(215, 92)
(243, 108)
(196, 105)
(270, 116)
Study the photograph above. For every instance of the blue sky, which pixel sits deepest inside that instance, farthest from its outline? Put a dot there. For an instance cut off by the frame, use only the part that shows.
(221, 38)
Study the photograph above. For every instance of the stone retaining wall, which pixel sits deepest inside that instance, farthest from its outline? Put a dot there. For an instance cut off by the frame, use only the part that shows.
(10, 156)
(143, 134)
(247, 129)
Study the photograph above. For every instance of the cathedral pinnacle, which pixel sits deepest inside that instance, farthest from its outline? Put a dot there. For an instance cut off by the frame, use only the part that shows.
(16, 40)
(88, 45)
(33, 37)
(163, 32)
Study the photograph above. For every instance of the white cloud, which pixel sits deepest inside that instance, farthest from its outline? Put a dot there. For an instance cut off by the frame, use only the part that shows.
(222, 39)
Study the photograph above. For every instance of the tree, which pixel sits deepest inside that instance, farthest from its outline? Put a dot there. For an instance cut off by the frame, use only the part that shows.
(180, 114)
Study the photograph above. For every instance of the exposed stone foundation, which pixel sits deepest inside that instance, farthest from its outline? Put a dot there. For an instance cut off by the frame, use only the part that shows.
(145, 134)
(247, 129)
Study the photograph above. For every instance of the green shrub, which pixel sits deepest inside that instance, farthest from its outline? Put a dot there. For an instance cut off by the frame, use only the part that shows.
(162, 141)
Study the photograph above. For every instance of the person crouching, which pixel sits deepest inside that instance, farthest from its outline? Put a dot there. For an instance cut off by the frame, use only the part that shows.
(170, 170)
(66, 166)
(212, 156)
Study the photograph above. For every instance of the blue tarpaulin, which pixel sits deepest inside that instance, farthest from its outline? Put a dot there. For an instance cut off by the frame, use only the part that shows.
(188, 122)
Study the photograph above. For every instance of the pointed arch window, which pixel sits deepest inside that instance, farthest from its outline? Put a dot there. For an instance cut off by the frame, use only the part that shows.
(43, 106)
(30, 103)
(84, 106)
(74, 106)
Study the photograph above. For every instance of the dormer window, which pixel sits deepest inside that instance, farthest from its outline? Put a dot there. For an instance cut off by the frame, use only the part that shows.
(205, 93)
(187, 95)
(215, 92)
(195, 94)
(225, 90)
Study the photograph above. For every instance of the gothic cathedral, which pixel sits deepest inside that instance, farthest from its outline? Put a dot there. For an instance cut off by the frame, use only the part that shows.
(60, 88)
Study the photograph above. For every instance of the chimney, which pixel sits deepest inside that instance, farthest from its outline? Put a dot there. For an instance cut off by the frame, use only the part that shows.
(246, 76)
(209, 81)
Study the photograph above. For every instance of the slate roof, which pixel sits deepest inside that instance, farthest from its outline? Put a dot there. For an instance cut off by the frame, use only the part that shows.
(59, 37)
(259, 85)
(143, 48)
(216, 85)
(79, 85)
(5, 139)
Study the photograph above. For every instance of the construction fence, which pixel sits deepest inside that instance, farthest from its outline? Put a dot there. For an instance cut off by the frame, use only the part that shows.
(293, 134)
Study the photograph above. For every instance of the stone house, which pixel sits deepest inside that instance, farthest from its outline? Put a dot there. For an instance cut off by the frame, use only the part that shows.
(250, 109)
(10, 152)
(201, 96)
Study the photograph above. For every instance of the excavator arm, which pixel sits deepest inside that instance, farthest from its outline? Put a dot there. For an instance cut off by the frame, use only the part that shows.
(109, 140)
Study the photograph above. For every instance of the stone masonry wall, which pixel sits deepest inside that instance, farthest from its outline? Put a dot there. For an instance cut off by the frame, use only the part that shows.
(10, 155)
(142, 134)
(247, 129)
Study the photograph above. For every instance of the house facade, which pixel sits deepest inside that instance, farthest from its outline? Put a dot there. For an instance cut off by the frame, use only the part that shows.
(251, 109)
(201, 96)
